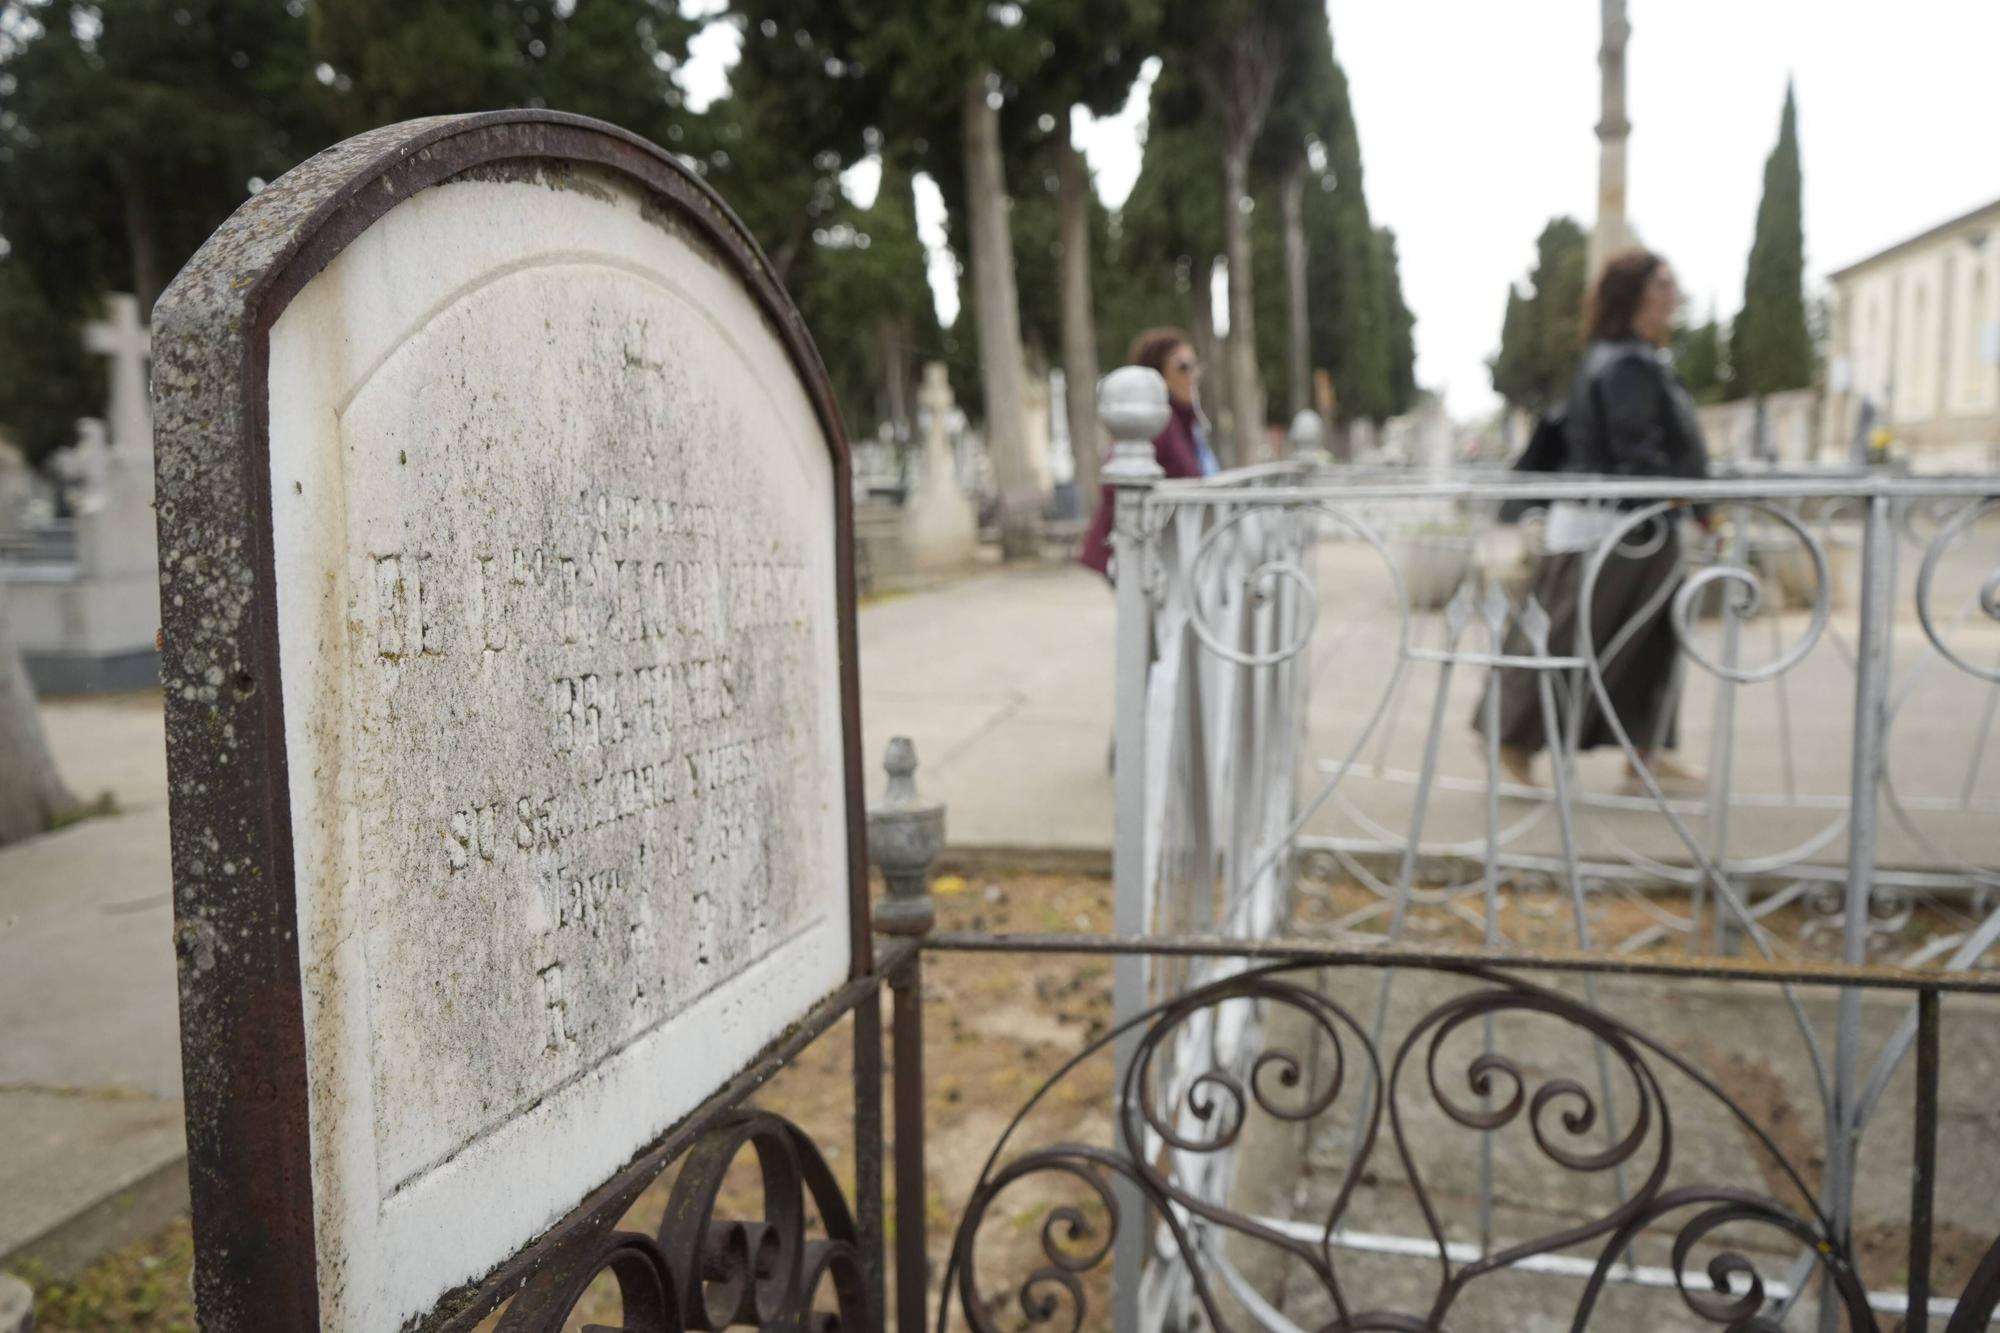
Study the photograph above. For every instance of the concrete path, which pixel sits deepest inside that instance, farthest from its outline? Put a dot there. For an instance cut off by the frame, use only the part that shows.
(1003, 680)
(997, 678)
(90, 1071)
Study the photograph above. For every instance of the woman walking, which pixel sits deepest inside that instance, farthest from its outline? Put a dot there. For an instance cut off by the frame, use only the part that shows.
(1628, 416)
(1181, 447)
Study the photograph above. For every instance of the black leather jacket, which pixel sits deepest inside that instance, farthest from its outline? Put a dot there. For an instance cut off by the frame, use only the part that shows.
(1629, 416)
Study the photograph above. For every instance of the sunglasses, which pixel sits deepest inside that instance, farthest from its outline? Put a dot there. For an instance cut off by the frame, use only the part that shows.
(1189, 366)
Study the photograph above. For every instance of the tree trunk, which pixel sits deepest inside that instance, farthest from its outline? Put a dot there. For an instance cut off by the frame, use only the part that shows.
(892, 355)
(1298, 352)
(1001, 372)
(1246, 394)
(32, 793)
(787, 252)
(139, 245)
(1079, 327)
(1201, 320)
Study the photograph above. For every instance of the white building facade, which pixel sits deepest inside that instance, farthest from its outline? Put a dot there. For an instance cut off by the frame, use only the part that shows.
(1915, 348)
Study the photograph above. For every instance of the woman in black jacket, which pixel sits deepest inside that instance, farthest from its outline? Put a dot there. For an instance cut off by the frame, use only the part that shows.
(1628, 416)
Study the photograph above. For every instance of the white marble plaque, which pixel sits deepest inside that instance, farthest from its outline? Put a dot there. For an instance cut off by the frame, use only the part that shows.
(554, 532)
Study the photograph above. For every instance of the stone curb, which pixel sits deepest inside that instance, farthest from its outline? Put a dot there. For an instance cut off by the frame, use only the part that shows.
(17, 1306)
(977, 859)
(131, 1212)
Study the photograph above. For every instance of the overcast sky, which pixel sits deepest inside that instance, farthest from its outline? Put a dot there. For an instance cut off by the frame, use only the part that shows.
(1477, 117)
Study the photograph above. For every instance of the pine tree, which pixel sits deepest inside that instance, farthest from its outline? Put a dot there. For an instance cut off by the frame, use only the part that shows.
(1169, 230)
(1240, 53)
(1402, 329)
(1771, 349)
(1351, 321)
(1698, 357)
(129, 131)
(1302, 115)
(1540, 339)
(1359, 327)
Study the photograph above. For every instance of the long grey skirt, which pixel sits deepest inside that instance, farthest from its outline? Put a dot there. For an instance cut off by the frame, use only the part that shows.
(1641, 677)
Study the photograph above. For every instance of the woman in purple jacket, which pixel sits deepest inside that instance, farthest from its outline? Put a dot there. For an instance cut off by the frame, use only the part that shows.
(1181, 449)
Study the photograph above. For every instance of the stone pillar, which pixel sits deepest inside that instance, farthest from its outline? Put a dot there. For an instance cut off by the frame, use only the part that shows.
(940, 524)
(1307, 438)
(1132, 401)
(1035, 404)
(905, 835)
(1612, 233)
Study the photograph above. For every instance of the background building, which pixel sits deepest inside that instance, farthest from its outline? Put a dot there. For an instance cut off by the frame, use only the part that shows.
(1915, 346)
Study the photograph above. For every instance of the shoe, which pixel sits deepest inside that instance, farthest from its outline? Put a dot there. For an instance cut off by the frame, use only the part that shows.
(1668, 771)
(1518, 764)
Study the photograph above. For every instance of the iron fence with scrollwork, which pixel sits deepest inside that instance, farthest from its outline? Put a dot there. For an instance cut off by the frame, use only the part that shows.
(1490, 1026)
(1809, 833)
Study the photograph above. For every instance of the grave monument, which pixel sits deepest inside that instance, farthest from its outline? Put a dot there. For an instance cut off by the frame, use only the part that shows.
(941, 528)
(505, 527)
(85, 613)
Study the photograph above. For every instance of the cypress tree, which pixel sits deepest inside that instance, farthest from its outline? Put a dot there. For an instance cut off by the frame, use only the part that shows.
(1540, 337)
(1770, 348)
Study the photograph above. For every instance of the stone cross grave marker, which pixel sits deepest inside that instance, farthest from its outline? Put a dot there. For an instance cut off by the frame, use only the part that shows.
(506, 552)
(123, 340)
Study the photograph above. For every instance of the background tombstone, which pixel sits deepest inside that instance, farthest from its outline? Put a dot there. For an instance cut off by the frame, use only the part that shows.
(505, 527)
(942, 525)
(85, 601)
(84, 468)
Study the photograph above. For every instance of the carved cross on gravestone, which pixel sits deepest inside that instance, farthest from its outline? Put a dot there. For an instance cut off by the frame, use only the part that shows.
(125, 342)
(936, 400)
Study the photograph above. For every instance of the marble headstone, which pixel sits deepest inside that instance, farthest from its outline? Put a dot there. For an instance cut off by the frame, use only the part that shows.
(544, 663)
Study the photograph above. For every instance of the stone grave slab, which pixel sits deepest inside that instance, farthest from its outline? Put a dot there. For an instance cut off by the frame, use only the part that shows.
(505, 543)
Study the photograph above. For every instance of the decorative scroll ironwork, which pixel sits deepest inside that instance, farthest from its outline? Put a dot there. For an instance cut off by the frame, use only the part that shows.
(1782, 536)
(1165, 1120)
(699, 1271)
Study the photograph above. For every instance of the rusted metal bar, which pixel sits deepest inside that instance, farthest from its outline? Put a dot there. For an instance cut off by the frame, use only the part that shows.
(1923, 1175)
(463, 1310)
(868, 1145)
(1325, 954)
(912, 1251)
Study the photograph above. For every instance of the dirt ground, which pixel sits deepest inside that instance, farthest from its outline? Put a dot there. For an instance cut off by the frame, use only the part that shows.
(997, 1027)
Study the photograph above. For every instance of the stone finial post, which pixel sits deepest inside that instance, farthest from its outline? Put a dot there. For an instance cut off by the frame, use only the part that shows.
(905, 835)
(1307, 437)
(1133, 404)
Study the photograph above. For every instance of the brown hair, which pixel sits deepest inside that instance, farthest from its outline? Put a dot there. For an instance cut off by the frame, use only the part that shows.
(1621, 284)
(1152, 348)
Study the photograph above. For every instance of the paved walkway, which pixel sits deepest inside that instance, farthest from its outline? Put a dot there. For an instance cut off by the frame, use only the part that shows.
(90, 1071)
(1003, 680)
(996, 678)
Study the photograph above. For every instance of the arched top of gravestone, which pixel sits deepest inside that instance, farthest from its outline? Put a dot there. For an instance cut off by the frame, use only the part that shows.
(506, 534)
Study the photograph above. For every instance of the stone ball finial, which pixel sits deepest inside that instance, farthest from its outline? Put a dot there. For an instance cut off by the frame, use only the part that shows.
(900, 762)
(905, 835)
(1132, 402)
